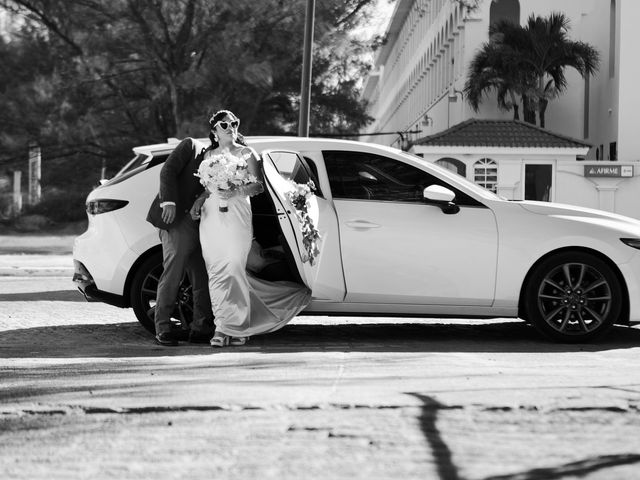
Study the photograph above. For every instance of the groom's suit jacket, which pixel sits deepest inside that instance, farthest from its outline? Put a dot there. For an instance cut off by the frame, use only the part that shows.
(178, 183)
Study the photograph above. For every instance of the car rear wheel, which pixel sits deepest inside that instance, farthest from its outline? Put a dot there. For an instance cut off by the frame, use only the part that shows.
(143, 293)
(573, 297)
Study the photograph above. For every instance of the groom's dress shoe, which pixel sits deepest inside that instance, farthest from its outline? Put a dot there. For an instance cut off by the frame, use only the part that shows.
(166, 339)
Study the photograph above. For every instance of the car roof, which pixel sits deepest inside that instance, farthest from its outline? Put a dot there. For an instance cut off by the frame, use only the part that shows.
(290, 142)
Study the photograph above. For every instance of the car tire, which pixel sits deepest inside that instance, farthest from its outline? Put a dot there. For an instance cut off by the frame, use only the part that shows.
(573, 297)
(143, 294)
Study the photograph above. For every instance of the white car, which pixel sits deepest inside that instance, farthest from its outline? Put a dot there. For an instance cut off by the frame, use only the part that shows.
(399, 236)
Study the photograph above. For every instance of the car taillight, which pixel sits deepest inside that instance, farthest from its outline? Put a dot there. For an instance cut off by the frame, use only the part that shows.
(96, 207)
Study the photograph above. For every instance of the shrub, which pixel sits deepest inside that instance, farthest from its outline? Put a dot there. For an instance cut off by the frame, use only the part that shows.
(60, 206)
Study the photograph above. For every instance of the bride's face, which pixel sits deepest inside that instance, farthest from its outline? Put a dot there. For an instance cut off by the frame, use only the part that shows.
(227, 128)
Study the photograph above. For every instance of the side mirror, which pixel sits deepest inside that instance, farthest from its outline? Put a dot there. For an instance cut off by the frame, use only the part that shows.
(443, 197)
(367, 176)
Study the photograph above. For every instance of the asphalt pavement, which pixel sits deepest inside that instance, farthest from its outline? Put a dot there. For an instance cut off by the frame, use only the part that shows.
(86, 393)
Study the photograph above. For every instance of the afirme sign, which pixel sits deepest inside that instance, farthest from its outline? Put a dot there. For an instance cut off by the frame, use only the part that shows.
(608, 171)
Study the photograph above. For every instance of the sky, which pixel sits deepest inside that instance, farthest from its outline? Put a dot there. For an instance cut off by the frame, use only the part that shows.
(380, 20)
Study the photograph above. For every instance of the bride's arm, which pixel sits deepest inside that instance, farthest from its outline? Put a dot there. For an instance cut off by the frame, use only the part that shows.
(255, 169)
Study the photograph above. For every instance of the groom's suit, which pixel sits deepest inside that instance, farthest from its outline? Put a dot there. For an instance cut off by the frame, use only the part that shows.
(180, 239)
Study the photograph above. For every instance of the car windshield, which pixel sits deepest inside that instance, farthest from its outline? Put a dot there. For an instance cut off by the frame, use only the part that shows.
(457, 179)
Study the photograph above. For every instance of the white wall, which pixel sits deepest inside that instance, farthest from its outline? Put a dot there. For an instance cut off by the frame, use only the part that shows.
(629, 91)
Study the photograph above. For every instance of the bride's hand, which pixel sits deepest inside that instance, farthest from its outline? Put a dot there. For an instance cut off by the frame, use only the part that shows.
(195, 209)
(226, 194)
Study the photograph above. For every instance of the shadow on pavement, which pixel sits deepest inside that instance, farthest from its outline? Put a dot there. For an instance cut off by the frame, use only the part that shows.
(448, 470)
(50, 296)
(131, 340)
(581, 468)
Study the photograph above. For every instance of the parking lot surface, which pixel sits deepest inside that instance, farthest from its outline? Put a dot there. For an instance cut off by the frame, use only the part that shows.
(86, 393)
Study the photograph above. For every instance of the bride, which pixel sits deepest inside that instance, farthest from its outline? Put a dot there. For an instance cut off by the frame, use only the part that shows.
(243, 305)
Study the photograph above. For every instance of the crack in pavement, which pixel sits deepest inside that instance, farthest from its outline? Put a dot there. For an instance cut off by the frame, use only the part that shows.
(88, 410)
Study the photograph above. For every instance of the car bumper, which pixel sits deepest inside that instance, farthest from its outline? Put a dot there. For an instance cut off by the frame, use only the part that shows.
(82, 277)
(103, 251)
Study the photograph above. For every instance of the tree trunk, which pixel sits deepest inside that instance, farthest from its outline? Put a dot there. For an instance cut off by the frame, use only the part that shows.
(542, 108)
(516, 107)
(175, 109)
(528, 112)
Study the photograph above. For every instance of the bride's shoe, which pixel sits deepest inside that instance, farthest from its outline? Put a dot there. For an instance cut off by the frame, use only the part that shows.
(238, 341)
(220, 339)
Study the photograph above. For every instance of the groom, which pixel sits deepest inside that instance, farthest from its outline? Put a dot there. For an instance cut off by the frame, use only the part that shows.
(181, 251)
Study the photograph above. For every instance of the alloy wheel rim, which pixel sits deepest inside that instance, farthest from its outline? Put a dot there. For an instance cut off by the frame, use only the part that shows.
(149, 294)
(574, 299)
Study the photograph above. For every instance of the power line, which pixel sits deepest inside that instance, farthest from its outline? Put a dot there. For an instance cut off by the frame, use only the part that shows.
(364, 134)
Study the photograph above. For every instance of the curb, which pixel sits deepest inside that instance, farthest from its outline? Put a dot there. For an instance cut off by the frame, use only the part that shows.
(36, 265)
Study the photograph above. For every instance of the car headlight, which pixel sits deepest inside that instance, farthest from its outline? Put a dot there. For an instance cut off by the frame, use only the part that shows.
(96, 207)
(632, 242)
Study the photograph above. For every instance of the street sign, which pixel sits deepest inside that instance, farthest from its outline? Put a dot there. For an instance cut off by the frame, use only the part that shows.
(608, 171)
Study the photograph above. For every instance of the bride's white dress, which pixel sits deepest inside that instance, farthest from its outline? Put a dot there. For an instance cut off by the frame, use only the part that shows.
(243, 305)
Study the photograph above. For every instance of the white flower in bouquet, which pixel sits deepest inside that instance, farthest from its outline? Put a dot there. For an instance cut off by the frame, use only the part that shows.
(224, 171)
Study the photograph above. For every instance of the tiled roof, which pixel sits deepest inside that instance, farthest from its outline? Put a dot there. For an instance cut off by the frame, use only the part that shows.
(499, 133)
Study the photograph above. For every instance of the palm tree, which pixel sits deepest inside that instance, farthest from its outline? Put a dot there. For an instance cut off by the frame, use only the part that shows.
(550, 52)
(528, 61)
(496, 68)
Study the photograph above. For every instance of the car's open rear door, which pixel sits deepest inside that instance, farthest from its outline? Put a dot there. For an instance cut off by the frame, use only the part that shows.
(323, 275)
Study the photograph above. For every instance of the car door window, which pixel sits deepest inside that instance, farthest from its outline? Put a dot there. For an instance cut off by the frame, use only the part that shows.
(292, 167)
(367, 176)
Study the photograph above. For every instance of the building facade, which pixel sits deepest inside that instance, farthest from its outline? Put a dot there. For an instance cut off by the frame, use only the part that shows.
(419, 74)
(415, 94)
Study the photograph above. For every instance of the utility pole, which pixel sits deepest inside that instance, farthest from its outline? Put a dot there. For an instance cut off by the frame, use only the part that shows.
(307, 61)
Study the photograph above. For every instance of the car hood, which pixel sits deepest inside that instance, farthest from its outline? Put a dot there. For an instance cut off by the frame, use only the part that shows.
(628, 225)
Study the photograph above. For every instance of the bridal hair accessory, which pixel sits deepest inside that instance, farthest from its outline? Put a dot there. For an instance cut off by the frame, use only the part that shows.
(226, 112)
(299, 196)
(224, 171)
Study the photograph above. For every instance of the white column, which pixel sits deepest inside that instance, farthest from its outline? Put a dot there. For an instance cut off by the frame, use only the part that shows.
(34, 174)
(17, 193)
(607, 197)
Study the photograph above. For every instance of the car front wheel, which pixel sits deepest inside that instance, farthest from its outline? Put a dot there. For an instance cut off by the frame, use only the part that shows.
(143, 292)
(573, 297)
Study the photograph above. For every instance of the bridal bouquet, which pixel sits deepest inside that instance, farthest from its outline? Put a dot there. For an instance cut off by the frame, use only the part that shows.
(299, 196)
(224, 171)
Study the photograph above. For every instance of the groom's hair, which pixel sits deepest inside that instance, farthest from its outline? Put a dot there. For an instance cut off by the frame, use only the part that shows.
(216, 117)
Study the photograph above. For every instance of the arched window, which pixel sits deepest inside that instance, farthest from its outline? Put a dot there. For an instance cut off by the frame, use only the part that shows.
(454, 165)
(504, 10)
(485, 174)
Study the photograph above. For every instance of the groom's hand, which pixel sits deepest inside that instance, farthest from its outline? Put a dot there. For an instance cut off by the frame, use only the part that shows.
(168, 214)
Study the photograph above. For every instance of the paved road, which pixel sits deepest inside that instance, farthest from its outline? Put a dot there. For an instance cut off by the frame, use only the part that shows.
(85, 393)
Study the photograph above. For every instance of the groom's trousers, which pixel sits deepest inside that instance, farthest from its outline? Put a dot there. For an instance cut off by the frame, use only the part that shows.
(181, 253)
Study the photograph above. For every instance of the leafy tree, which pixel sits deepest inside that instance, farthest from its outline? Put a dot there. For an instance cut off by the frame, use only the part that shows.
(528, 61)
(88, 79)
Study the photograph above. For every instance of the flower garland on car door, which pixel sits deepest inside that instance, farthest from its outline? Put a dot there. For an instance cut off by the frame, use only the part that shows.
(299, 197)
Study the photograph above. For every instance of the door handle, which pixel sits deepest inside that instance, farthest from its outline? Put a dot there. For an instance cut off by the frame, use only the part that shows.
(361, 224)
